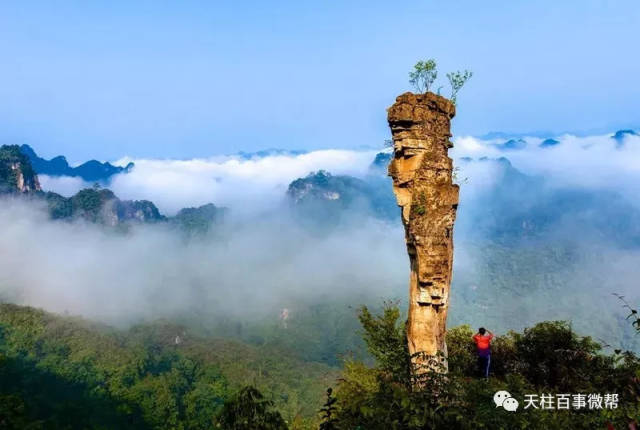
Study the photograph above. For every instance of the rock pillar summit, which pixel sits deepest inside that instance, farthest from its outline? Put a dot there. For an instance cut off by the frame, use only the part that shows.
(422, 182)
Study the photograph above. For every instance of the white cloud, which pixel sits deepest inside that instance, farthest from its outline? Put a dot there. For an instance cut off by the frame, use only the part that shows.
(65, 185)
(254, 185)
(246, 269)
(262, 264)
(587, 162)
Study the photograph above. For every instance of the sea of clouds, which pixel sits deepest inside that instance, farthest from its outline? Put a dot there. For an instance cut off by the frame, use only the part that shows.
(259, 183)
(589, 162)
(255, 184)
(261, 261)
(242, 270)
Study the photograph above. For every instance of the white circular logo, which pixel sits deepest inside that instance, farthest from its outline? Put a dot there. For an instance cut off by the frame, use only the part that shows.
(503, 399)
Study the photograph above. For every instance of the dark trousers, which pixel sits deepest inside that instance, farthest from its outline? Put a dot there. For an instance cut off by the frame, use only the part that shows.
(483, 366)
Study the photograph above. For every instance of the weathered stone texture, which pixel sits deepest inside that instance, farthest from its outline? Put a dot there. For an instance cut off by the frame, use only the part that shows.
(422, 182)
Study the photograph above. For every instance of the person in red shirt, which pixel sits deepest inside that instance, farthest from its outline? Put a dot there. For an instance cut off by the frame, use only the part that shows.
(483, 345)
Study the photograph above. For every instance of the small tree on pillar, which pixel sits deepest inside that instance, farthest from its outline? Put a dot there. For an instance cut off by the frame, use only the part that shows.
(457, 81)
(423, 75)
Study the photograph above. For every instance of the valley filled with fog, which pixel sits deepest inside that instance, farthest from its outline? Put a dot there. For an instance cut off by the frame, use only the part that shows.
(545, 231)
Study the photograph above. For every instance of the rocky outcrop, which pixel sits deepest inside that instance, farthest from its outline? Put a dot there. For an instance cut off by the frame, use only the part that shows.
(200, 220)
(323, 199)
(96, 205)
(103, 207)
(16, 172)
(422, 182)
(24, 182)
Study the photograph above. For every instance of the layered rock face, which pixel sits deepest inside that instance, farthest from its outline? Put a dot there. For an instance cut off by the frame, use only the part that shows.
(16, 173)
(422, 182)
(24, 183)
(103, 207)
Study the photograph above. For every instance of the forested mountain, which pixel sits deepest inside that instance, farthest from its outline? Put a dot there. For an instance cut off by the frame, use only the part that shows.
(95, 205)
(516, 207)
(61, 372)
(326, 198)
(526, 251)
(64, 372)
(16, 173)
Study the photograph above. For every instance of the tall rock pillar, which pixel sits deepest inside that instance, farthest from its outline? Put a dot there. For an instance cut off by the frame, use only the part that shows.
(422, 182)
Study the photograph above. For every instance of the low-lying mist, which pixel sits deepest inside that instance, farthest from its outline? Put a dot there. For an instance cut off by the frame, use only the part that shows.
(245, 270)
(524, 251)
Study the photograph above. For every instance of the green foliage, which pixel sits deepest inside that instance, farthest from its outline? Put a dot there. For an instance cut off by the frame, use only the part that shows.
(552, 355)
(386, 340)
(100, 205)
(198, 221)
(88, 202)
(457, 81)
(547, 358)
(419, 206)
(249, 410)
(461, 352)
(423, 75)
(57, 372)
(59, 207)
(455, 176)
(328, 411)
(55, 387)
(13, 414)
(10, 155)
(8, 179)
(322, 200)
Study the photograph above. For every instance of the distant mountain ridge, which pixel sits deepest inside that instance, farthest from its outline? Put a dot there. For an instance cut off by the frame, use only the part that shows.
(517, 207)
(519, 142)
(90, 171)
(96, 205)
(324, 198)
(527, 239)
(512, 145)
(101, 206)
(270, 152)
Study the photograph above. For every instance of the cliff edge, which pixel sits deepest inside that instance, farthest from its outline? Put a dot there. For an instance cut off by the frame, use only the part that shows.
(16, 173)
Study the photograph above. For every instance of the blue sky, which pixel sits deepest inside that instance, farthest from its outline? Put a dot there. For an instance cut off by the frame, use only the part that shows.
(198, 78)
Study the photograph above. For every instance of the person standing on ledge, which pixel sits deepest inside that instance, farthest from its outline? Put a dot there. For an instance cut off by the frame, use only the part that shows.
(483, 344)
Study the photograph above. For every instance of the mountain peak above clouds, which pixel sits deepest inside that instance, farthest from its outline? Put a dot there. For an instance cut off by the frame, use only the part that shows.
(90, 171)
